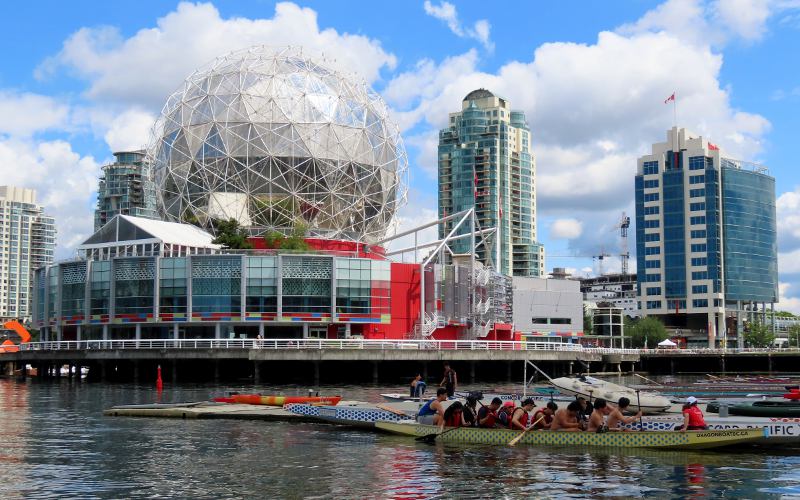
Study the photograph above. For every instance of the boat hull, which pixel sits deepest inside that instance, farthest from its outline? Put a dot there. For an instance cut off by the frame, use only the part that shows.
(781, 431)
(761, 409)
(595, 388)
(258, 399)
(354, 416)
(656, 440)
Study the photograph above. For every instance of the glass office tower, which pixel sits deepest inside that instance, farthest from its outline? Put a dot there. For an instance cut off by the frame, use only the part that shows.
(126, 188)
(706, 237)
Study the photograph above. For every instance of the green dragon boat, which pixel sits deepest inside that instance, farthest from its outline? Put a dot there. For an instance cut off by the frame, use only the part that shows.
(667, 440)
(773, 408)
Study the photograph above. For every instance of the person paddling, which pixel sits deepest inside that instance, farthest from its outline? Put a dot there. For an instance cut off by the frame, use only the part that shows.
(693, 419)
(566, 419)
(487, 415)
(597, 419)
(544, 416)
(453, 416)
(616, 417)
(519, 416)
(432, 412)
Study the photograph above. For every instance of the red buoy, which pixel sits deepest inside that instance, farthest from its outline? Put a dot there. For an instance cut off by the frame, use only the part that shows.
(159, 382)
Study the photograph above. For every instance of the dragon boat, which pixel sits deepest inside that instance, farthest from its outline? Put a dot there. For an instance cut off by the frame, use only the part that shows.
(667, 440)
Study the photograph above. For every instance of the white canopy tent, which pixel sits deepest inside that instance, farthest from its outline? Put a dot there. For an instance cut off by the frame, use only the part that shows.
(667, 343)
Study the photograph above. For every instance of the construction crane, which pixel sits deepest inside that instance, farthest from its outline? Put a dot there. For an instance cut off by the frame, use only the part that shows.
(624, 256)
(599, 258)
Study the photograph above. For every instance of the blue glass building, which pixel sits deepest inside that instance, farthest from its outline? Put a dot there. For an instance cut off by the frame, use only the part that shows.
(706, 239)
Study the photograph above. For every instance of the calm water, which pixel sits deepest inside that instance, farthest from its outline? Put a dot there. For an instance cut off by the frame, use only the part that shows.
(56, 443)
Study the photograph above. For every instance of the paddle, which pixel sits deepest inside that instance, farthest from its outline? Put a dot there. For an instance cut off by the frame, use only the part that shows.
(514, 441)
(391, 410)
(639, 404)
(649, 380)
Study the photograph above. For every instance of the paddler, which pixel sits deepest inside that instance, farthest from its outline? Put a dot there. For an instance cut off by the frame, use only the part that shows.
(544, 416)
(487, 415)
(693, 419)
(616, 416)
(432, 412)
(566, 419)
(597, 421)
(519, 416)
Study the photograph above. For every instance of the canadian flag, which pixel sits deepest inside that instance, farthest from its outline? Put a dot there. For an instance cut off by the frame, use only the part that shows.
(713, 147)
(670, 98)
(475, 181)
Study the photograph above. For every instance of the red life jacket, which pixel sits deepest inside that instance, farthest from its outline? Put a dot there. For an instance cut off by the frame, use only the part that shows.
(539, 414)
(695, 416)
(454, 420)
(522, 420)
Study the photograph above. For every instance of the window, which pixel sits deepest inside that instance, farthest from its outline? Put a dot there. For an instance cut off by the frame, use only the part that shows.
(697, 163)
(700, 275)
(651, 224)
(697, 193)
(700, 219)
(652, 237)
(651, 183)
(652, 250)
(654, 290)
(717, 302)
(654, 304)
(698, 289)
(698, 207)
(650, 167)
(651, 210)
(651, 197)
(699, 261)
(700, 303)
(652, 278)
(698, 233)
(652, 264)
(697, 179)
(698, 247)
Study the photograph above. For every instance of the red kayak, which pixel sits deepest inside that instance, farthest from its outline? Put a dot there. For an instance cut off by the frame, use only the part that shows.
(258, 399)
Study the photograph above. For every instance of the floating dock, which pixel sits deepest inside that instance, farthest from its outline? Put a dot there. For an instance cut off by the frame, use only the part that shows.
(208, 410)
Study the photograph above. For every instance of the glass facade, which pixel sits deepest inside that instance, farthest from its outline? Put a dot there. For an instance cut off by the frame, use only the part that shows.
(362, 287)
(125, 188)
(100, 293)
(173, 291)
(73, 289)
(217, 285)
(306, 285)
(750, 236)
(674, 235)
(134, 282)
(262, 285)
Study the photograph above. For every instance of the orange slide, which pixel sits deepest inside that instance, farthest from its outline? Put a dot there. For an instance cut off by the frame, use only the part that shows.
(16, 327)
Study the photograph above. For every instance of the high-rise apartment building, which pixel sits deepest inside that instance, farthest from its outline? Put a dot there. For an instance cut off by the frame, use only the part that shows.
(706, 238)
(27, 242)
(485, 162)
(126, 188)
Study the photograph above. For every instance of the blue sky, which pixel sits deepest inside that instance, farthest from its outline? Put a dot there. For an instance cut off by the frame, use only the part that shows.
(80, 79)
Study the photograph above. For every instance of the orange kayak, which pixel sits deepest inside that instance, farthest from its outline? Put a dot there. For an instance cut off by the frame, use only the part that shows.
(258, 399)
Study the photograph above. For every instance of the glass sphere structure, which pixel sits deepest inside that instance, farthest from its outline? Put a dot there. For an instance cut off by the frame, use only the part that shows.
(278, 140)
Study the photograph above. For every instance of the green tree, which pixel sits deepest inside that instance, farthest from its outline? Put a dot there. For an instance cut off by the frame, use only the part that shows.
(295, 241)
(794, 336)
(758, 335)
(231, 235)
(784, 314)
(647, 331)
(588, 327)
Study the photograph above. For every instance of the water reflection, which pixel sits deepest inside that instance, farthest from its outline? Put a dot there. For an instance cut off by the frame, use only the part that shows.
(56, 443)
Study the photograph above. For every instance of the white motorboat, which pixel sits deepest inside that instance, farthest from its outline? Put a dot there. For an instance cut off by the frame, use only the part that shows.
(590, 387)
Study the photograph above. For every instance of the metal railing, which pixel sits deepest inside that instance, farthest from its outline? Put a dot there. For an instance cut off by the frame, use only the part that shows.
(299, 344)
(380, 344)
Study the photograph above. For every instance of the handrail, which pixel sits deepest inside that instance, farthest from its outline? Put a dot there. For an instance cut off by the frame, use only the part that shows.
(383, 344)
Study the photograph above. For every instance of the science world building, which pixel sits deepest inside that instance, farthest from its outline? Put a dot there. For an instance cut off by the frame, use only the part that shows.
(281, 143)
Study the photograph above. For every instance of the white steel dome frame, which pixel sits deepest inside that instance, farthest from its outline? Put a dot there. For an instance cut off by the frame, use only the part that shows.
(277, 140)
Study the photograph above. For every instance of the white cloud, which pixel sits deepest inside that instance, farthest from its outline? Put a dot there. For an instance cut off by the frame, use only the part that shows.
(786, 303)
(788, 220)
(22, 114)
(446, 12)
(145, 68)
(64, 181)
(427, 146)
(411, 216)
(129, 130)
(566, 229)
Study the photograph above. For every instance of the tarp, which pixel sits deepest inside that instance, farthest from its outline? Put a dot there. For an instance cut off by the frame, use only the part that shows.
(667, 343)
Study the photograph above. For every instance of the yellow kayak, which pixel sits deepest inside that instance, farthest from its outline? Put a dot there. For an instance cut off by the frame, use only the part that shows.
(634, 439)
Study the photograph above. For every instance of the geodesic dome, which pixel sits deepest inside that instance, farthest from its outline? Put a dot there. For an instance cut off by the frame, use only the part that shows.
(275, 139)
